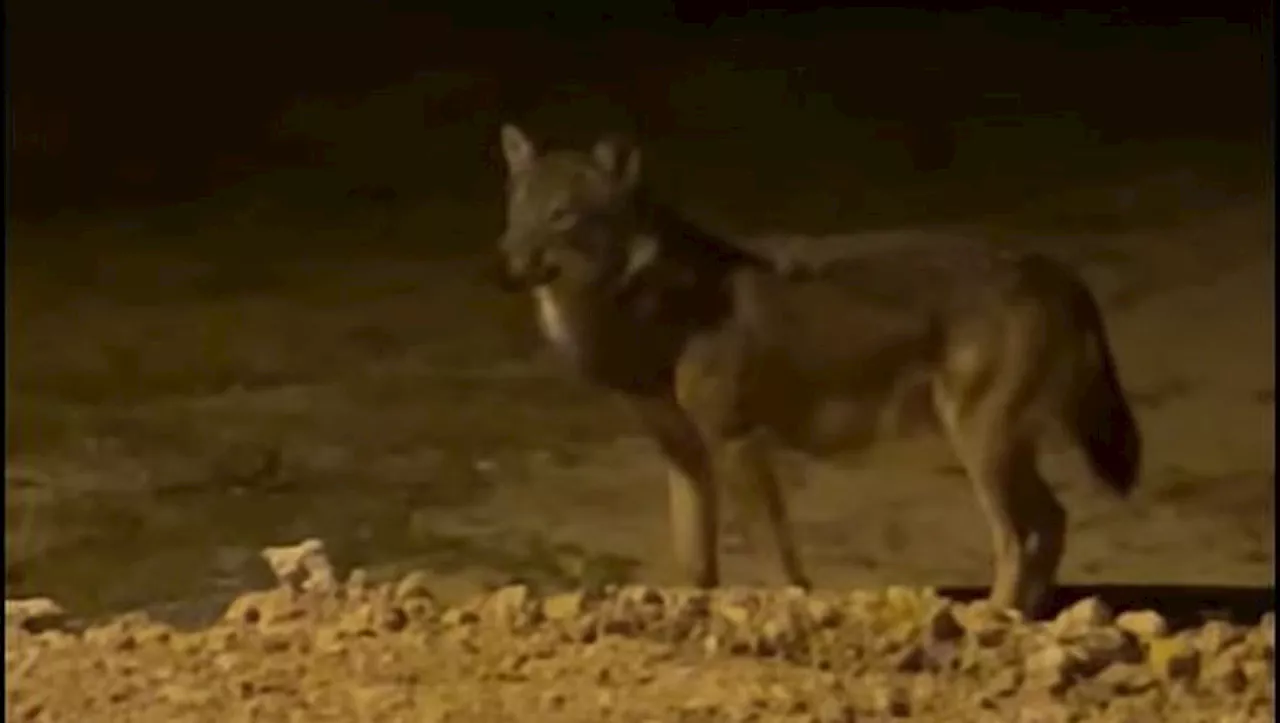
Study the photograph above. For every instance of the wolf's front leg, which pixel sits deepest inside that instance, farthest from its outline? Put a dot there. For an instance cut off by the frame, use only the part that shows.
(691, 488)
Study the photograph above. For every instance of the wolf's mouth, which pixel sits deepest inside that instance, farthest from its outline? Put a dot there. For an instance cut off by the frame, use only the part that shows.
(507, 279)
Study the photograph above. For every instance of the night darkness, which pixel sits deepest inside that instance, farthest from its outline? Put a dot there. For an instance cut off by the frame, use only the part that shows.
(148, 106)
(248, 302)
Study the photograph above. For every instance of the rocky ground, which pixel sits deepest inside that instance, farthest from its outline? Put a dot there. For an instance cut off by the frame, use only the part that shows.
(316, 649)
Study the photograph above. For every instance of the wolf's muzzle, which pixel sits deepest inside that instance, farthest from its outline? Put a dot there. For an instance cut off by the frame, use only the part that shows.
(513, 275)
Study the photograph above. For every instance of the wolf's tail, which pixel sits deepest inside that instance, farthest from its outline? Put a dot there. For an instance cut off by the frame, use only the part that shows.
(1102, 422)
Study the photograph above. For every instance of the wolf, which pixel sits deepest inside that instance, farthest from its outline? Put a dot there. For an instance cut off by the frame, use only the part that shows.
(727, 357)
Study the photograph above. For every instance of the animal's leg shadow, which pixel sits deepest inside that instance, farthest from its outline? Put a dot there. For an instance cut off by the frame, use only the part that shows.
(746, 467)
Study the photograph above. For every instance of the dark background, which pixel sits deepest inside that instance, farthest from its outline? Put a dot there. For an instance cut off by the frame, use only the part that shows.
(135, 106)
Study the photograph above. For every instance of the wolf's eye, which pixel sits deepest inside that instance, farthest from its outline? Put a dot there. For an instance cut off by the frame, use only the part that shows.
(562, 218)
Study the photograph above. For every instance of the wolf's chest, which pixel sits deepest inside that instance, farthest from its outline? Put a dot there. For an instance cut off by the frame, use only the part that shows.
(553, 319)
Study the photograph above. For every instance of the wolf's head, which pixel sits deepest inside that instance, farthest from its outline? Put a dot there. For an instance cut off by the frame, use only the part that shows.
(573, 216)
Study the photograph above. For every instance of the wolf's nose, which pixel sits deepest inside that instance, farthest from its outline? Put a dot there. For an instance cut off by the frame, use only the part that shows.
(532, 269)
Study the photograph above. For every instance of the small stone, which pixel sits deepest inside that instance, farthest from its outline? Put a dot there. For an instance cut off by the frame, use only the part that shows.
(988, 625)
(942, 626)
(622, 621)
(584, 628)
(823, 613)
(1004, 683)
(908, 601)
(713, 644)
(394, 619)
(458, 616)
(911, 659)
(34, 615)
(641, 595)
(1051, 668)
(1101, 647)
(301, 567)
(265, 607)
(513, 606)
(1226, 674)
(552, 700)
(1257, 671)
(414, 586)
(1143, 624)
(830, 710)
(891, 700)
(1173, 658)
(358, 581)
(361, 621)
(565, 606)
(738, 615)
(1127, 678)
(1086, 614)
(1216, 636)
(992, 637)
(776, 636)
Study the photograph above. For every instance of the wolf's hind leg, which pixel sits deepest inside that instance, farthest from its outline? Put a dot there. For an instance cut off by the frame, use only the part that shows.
(746, 467)
(1028, 524)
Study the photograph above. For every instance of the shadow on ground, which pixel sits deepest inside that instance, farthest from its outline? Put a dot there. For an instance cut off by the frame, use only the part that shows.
(1182, 606)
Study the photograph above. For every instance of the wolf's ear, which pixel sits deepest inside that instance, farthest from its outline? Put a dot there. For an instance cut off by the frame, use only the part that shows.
(517, 149)
(618, 157)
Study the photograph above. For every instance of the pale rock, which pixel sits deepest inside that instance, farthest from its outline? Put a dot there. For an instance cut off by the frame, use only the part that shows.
(1143, 624)
(301, 567)
(34, 615)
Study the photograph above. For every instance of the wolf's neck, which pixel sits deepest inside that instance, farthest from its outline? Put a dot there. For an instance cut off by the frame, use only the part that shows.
(688, 286)
(686, 242)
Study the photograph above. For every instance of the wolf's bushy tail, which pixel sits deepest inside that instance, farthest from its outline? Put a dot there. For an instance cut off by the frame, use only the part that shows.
(1103, 423)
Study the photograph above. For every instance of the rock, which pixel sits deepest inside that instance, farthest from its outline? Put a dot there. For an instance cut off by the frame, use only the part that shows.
(735, 614)
(263, 607)
(358, 583)
(823, 613)
(891, 700)
(34, 615)
(1102, 647)
(941, 625)
(565, 606)
(988, 625)
(1127, 678)
(1173, 658)
(513, 606)
(1003, 683)
(1225, 674)
(414, 586)
(912, 659)
(301, 567)
(1086, 614)
(830, 710)
(459, 616)
(1217, 636)
(1143, 624)
(909, 602)
(780, 636)
(689, 604)
(1051, 668)
(642, 595)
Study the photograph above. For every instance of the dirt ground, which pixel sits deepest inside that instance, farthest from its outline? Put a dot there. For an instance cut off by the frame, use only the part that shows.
(172, 413)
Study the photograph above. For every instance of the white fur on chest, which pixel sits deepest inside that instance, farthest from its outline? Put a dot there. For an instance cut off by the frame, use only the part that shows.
(553, 319)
